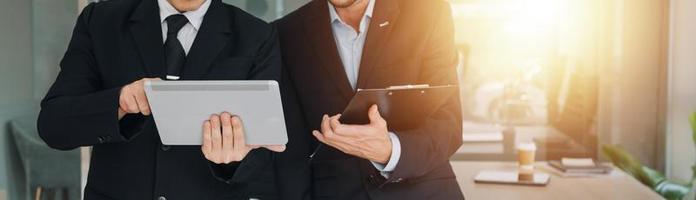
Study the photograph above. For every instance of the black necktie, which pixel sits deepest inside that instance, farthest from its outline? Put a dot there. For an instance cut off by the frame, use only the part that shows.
(173, 50)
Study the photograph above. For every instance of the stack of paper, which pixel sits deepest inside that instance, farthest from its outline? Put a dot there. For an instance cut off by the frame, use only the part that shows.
(481, 138)
(579, 167)
(482, 143)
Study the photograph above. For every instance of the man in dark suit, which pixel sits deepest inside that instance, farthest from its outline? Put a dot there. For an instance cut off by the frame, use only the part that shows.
(98, 99)
(333, 47)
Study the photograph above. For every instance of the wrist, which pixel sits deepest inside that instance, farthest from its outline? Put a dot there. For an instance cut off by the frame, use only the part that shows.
(386, 153)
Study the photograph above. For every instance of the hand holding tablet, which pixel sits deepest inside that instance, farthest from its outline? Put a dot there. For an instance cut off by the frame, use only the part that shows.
(181, 108)
(224, 142)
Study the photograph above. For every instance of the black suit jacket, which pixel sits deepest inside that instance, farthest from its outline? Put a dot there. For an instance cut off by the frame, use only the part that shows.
(408, 42)
(117, 42)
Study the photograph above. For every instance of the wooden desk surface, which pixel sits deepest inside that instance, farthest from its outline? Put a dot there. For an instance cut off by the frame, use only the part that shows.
(617, 185)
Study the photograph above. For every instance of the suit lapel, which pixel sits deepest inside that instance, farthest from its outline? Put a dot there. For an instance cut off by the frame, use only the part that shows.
(318, 28)
(386, 13)
(147, 31)
(213, 36)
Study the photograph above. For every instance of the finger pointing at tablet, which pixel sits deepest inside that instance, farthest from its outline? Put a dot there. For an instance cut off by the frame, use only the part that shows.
(132, 99)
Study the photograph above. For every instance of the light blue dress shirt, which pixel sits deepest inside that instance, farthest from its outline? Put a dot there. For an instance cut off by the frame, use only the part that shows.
(350, 45)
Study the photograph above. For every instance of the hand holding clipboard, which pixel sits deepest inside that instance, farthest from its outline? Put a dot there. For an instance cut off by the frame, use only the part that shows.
(403, 107)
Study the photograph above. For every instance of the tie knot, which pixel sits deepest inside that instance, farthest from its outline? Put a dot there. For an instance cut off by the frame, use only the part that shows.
(175, 23)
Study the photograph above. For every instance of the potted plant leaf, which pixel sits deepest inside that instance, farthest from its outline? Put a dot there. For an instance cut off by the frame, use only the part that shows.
(669, 189)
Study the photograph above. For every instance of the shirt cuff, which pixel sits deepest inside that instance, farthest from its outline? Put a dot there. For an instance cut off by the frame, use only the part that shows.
(393, 160)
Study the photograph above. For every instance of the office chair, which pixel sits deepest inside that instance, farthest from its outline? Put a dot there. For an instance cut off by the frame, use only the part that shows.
(47, 171)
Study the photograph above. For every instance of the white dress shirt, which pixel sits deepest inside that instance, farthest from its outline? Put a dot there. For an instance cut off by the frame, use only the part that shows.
(188, 33)
(350, 45)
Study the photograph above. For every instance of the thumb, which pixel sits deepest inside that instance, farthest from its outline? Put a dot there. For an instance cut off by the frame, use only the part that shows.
(276, 148)
(121, 113)
(374, 115)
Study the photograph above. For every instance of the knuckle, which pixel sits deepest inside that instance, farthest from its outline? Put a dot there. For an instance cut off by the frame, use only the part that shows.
(226, 124)
(133, 109)
(339, 129)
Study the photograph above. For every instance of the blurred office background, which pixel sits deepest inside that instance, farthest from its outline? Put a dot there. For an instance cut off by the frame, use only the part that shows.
(569, 75)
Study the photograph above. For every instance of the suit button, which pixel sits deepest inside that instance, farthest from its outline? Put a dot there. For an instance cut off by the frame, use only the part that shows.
(101, 139)
(161, 198)
(165, 147)
(398, 180)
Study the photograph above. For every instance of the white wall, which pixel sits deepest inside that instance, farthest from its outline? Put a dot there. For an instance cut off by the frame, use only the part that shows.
(682, 89)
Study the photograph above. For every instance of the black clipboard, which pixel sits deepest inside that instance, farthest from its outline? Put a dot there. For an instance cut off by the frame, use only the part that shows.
(403, 107)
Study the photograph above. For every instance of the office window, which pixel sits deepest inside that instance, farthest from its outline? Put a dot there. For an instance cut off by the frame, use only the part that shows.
(268, 10)
(557, 73)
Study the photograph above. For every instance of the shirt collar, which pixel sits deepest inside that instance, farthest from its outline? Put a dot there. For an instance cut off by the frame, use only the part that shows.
(194, 17)
(335, 18)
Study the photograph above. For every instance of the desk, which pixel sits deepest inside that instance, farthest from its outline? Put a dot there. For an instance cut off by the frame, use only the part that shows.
(547, 139)
(617, 185)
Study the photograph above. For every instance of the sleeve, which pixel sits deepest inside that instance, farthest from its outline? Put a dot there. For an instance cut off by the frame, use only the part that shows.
(78, 110)
(267, 66)
(245, 170)
(385, 170)
(431, 145)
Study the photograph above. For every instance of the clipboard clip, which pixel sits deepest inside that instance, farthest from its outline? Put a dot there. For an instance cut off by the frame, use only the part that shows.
(400, 87)
(407, 86)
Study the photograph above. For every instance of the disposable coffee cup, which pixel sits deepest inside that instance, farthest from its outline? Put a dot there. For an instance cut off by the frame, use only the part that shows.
(525, 159)
(525, 177)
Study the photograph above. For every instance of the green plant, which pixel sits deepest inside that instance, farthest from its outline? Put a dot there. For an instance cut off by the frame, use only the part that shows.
(669, 189)
(693, 136)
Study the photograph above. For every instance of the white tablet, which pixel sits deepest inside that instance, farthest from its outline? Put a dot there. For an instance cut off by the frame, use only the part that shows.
(181, 107)
(512, 177)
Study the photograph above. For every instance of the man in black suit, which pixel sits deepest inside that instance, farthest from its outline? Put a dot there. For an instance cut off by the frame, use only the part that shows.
(98, 99)
(333, 47)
